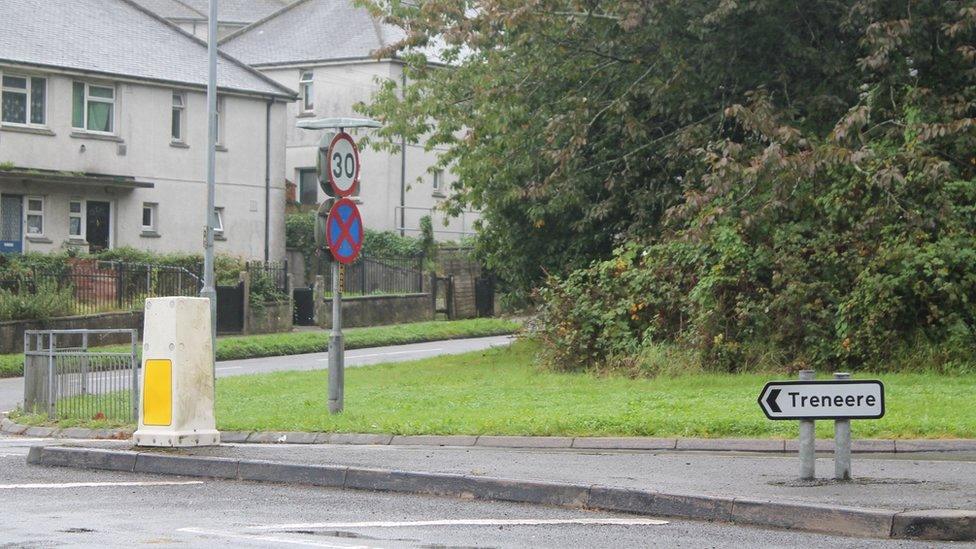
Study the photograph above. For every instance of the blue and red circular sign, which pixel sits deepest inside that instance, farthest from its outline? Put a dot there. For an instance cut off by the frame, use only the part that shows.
(344, 231)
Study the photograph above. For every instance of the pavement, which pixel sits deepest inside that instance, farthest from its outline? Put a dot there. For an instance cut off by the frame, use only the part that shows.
(57, 506)
(12, 389)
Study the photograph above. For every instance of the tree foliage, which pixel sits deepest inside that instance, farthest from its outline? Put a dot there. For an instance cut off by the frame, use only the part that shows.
(799, 174)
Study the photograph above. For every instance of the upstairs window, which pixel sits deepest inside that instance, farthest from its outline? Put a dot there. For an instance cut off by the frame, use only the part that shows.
(306, 87)
(438, 181)
(179, 117)
(93, 107)
(23, 100)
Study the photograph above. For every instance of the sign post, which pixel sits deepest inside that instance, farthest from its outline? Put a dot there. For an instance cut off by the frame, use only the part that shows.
(340, 230)
(841, 399)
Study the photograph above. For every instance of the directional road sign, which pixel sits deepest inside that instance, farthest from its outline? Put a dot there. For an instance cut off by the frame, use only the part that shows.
(855, 399)
(339, 165)
(344, 231)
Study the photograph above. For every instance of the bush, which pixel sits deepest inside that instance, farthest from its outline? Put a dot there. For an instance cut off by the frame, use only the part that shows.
(44, 301)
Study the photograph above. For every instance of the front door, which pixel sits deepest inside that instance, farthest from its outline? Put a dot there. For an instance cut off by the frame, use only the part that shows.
(11, 224)
(98, 225)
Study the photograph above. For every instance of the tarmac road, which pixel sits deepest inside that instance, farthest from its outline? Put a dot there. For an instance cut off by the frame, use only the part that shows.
(12, 390)
(54, 507)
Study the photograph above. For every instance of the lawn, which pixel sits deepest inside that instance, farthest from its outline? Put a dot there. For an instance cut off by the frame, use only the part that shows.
(501, 391)
(255, 346)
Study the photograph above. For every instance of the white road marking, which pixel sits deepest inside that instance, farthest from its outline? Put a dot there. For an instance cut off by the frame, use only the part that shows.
(467, 522)
(94, 485)
(222, 368)
(414, 351)
(270, 539)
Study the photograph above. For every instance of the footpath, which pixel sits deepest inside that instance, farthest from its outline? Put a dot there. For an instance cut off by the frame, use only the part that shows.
(922, 495)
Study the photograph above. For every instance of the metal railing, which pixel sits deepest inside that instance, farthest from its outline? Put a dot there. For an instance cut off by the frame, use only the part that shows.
(277, 271)
(384, 275)
(103, 286)
(65, 378)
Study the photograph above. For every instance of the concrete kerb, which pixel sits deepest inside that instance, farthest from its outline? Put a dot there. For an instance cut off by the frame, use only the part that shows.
(944, 525)
(775, 446)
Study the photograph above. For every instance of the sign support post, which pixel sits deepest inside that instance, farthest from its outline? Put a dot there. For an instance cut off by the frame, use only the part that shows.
(808, 438)
(842, 442)
(336, 344)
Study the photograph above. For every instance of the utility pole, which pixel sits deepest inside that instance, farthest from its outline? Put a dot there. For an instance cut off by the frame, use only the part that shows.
(209, 289)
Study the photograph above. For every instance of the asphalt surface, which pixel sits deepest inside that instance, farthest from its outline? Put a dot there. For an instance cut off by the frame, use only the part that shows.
(880, 481)
(12, 389)
(53, 507)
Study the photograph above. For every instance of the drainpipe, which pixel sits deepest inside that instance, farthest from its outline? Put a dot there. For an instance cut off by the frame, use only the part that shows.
(267, 180)
(403, 164)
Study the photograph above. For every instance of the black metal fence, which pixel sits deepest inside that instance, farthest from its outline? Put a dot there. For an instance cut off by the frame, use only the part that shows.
(275, 271)
(100, 286)
(378, 275)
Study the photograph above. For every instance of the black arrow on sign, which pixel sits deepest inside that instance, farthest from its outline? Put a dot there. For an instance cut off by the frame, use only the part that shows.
(771, 400)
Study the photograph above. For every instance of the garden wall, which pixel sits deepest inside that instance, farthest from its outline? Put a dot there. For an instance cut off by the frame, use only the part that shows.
(378, 310)
(12, 331)
(270, 318)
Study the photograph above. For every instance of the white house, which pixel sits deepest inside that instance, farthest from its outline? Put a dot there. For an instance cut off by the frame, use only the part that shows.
(103, 134)
(323, 49)
(191, 15)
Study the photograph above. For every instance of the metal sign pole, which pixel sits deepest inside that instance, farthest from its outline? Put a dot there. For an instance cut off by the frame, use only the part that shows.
(808, 438)
(842, 442)
(209, 290)
(336, 344)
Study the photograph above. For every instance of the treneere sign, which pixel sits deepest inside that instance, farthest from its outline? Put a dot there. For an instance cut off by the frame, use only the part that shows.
(834, 399)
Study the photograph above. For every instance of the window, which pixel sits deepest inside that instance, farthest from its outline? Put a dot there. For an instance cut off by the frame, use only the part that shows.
(149, 216)
(308, 186)
(93, 108)
(35, 216)
(220, 120)
(76, 220)
(179, 108)
(305, 86)
(23, 100)
(219, 221)
(438, 181)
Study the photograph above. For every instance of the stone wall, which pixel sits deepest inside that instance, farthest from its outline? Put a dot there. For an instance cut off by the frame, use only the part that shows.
(269, 318)
(377, 310)
(12, 332)
(464, 272)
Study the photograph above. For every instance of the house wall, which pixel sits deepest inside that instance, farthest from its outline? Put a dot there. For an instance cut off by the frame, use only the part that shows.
(142, 148)
(338, 87)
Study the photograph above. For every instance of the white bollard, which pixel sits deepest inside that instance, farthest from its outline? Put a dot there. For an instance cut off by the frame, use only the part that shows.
(176, 389)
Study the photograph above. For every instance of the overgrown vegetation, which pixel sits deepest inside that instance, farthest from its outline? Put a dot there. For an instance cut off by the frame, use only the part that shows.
(743, 184)
(45, 301)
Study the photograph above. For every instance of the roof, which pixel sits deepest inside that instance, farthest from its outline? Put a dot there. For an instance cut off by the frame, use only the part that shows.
(171, 9)
(35, 177)
(117, 38)
(239, 11)
(311, 30)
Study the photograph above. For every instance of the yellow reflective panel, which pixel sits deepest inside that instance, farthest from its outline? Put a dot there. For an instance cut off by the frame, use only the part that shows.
(157, 403)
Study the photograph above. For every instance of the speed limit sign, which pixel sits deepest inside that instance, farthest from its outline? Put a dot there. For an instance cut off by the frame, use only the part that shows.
(339, 165)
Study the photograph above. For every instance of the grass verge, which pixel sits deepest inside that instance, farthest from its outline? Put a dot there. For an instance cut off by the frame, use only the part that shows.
(295, 343)
(502, 392)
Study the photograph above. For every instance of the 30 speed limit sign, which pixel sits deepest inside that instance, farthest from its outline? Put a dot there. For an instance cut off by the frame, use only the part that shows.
(339, 165)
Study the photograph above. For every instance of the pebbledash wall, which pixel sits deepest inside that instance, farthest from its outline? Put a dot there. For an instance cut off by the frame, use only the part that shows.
(141, 147)
(337, 87)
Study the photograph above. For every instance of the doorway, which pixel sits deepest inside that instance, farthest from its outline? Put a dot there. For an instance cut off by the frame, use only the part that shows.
(11, 224)
(98, 225)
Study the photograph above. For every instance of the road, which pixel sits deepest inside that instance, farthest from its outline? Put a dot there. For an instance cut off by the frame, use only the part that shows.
(12, 390)
(53, 507)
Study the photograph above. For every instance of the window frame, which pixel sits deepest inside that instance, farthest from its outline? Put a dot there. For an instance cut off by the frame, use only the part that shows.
(306, 86)
(28, 93)
(220, 115)
(88, 98)
(28, 213)
(178, 114)
(153, 226)
(219, 220)
(437, 182)
(81, 215)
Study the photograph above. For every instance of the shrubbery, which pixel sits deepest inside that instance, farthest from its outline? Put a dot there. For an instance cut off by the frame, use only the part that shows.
(45, 301)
